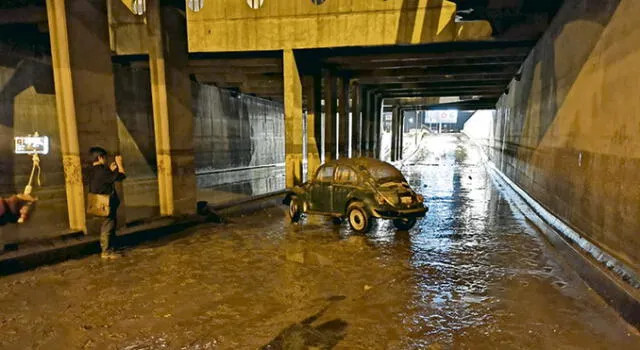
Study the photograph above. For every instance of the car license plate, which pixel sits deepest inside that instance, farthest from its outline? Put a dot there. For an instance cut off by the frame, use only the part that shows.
(406, 200)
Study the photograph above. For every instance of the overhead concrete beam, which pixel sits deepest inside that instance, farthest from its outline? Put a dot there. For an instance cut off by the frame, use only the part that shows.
(284, 24)
(459, 78)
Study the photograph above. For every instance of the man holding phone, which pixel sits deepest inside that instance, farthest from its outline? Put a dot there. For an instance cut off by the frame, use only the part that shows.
(102, 181)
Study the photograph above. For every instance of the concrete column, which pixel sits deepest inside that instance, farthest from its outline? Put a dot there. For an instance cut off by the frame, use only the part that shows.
(85, 95)
(366, 123)
(172, 109)
(394, 133)
(292, 119)
(313, 92)
(344, 108)
(380, 110)
(401, 134)
(330, 116)
(374, 136)
(356, 117)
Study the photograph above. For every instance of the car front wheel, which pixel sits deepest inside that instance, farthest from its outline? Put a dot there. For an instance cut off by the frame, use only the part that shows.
(294, 209)
(359, 220)
(404, 224)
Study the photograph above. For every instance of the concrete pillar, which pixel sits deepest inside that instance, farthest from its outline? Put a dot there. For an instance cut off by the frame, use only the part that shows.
(292, 119)
(374, 137)
(401, 134)
(344, 107)
(366, 123)
(85, 95)
(378, 127)
(330, 116)
(394, 133)
(172, 109)
(313, 92)
(356, 118)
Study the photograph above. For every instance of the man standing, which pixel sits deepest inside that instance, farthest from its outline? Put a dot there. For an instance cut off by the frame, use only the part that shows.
(101, 181)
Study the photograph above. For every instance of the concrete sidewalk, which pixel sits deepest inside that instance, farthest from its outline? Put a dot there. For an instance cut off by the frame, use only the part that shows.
(16, 258)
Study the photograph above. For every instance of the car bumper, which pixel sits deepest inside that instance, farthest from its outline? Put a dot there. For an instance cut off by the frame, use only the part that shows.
(394, 213)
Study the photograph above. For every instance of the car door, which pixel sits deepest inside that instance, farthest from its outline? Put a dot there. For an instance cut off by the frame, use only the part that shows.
(322, 190)
(345, 181)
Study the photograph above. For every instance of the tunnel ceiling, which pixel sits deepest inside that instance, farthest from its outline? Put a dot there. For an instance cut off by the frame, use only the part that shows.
(257, 74)
(480, 69)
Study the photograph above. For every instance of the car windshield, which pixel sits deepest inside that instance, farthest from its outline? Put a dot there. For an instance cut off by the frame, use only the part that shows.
(384, 173)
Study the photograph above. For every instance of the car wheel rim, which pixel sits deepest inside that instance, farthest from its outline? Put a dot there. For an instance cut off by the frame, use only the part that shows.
(357, 219)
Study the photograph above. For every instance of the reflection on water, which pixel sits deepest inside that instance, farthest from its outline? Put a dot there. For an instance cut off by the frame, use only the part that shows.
(472, 275)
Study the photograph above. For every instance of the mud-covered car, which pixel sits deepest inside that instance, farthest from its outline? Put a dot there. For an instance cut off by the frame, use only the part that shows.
(358, 189)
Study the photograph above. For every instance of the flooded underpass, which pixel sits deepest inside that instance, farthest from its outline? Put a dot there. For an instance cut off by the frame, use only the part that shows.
(473, 274)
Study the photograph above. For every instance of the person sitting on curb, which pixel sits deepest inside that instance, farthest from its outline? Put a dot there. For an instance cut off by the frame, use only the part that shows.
(16, 209)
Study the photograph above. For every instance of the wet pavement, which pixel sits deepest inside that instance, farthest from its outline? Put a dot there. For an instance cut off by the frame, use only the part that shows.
(472, 275)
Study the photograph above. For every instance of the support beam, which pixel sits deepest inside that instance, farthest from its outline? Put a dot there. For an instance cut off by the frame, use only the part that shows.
(85, 95)
(330, 116)
(377, 126)
(344, 134)
(292, 119)
(172, 111)
(401, 133)
(366, 122)
(373, 131)
(313, 93)
(395, 137)
(356, 117)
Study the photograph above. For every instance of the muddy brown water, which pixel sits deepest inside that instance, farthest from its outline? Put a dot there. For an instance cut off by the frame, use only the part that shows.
(472, 275)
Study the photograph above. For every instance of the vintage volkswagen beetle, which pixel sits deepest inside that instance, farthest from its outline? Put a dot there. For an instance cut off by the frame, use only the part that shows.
(357, 189)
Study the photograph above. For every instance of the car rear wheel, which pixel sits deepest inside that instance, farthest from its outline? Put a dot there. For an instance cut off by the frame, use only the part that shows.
(294, 209)
(359, 220)
(404, 224)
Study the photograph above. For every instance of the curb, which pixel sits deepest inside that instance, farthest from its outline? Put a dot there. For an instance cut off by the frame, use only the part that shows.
(77, 245)
(613, 281)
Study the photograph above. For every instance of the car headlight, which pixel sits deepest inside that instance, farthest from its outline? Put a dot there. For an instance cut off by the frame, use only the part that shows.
(420, 198)
(380, 199)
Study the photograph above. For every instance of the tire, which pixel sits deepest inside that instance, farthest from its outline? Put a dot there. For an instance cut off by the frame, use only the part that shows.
(294, 209)
(404, 224)
(359, 219)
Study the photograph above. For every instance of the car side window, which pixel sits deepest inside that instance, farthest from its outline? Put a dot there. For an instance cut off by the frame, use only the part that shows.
(325, 174)
(346, 176)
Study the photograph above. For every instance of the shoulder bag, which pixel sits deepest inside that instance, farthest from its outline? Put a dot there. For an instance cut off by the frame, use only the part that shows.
(98, 204)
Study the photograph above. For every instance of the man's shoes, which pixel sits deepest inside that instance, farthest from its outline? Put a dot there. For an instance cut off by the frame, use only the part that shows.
(110, 255)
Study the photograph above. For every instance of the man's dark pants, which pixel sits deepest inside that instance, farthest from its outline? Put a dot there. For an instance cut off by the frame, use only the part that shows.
(108, 227)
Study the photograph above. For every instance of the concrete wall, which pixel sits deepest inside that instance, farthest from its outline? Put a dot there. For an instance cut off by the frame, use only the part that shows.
(232, 25)
(239, 144)
(137, 141)
(567, 132)
(27, 104)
